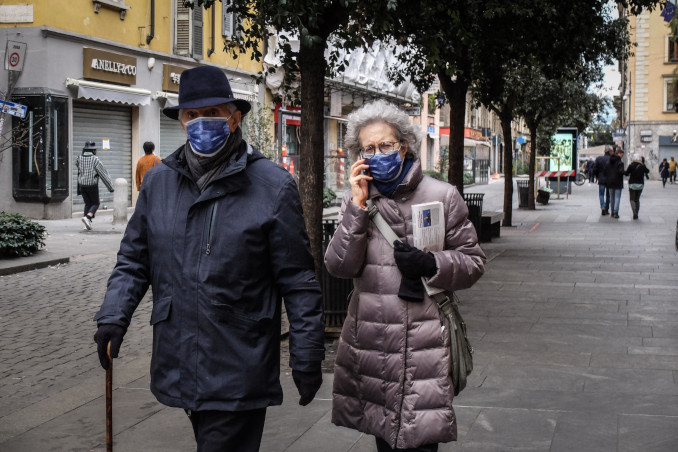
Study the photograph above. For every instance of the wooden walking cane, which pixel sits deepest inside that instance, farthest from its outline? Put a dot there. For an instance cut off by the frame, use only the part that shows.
(109, 402)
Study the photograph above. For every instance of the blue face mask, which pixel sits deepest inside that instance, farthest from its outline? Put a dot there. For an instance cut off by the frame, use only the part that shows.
(385, 167)
(207, 135)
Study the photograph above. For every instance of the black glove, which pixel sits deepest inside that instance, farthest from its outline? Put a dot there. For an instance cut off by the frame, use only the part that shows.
(413, 262)
(308, 384)
(411, 289)
(108, 333)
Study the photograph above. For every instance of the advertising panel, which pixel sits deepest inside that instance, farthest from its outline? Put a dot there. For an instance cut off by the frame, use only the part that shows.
(563, 145)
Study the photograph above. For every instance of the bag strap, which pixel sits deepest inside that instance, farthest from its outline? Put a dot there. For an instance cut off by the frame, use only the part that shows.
(380, 223)
(444, 299)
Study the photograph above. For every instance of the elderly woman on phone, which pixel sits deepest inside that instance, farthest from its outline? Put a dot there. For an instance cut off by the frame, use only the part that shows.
(392, 371)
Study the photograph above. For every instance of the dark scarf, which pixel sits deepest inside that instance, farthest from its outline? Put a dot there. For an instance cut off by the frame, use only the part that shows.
(388, 188)
(205, 169)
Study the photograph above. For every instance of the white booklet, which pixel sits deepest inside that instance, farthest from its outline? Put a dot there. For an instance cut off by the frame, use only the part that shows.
(428, 230)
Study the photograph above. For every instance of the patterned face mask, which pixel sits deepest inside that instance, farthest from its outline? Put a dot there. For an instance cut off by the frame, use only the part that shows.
(385, 167)
(207, 135)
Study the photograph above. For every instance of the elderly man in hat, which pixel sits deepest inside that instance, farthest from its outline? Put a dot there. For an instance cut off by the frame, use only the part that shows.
(218, 234)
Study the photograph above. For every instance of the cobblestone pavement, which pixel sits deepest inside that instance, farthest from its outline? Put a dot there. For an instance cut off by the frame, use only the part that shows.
(47, 328)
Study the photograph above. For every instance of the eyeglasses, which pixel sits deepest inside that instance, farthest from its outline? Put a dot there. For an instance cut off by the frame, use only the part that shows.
(384, 147)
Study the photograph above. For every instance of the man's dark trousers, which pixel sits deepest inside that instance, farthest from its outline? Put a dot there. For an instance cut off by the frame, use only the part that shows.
(235, 431)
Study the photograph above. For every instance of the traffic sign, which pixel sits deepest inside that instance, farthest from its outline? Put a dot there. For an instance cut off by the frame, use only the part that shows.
(16, 54)
(13, 109)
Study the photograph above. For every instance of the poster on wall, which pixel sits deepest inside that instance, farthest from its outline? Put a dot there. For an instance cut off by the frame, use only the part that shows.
(563, 150)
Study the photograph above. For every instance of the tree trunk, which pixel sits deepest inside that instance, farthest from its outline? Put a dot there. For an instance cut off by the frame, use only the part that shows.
(532, 166)
(312, 65)
(456, 95)
(506, 119)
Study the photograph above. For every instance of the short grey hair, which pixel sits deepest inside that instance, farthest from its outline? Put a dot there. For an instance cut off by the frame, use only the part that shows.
(381, 111)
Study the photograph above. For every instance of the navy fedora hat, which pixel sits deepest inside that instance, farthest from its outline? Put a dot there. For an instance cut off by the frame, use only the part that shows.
(204, 86)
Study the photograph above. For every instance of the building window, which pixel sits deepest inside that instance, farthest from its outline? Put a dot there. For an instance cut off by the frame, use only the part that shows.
(671, 51)
(230, 22)
(188, 30)
(670, 95)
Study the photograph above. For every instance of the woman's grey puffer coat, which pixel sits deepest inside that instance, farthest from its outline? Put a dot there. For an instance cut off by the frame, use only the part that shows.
(392, 371)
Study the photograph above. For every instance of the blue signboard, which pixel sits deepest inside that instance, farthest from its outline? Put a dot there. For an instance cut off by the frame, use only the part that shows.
(13, 109)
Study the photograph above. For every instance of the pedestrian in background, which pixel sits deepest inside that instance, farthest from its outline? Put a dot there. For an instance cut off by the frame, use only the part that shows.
(391, 376)
(148, 161)
(664, 171)
(90, 169)
(672, 170)
(599, 172)
(219, 235)
(589, 170)
(637, 172)
(614, 173)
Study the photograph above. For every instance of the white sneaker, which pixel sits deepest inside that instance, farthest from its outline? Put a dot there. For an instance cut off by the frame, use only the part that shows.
(88, 222)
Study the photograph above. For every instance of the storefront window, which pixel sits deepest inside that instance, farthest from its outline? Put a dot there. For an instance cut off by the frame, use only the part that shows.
(40, 149)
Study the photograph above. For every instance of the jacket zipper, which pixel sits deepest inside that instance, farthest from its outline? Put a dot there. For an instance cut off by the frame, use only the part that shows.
(209, 230)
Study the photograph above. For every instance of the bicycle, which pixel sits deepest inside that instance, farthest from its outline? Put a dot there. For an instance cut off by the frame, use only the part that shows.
(580, 179)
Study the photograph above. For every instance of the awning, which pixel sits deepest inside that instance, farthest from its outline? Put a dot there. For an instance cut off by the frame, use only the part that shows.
(109, 92)
(470, 142)
(249, 96)
(595, 150)
(171, 99)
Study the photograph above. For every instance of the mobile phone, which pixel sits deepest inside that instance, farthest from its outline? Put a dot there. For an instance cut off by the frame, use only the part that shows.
(364, 172)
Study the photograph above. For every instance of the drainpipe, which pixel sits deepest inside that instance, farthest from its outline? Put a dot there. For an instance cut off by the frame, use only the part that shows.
(211, 51)
(150, 36)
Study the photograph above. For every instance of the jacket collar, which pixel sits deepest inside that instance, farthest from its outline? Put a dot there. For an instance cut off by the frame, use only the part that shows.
(232, 179)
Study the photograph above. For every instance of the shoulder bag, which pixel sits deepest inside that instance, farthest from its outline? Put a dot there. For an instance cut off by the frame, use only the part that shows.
(461, 351)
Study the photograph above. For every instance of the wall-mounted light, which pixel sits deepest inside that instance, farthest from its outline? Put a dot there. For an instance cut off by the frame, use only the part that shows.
(151, 63)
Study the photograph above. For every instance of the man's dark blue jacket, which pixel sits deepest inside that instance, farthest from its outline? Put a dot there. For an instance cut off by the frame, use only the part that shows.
(219, 263)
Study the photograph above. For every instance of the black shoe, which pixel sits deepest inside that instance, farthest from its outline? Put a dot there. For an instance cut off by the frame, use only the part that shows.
(615, 215)
(635, 216)
(604, 212)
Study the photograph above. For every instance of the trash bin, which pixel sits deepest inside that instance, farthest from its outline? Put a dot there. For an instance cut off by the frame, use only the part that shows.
(523, 190)
(543, 195)
(474, 202)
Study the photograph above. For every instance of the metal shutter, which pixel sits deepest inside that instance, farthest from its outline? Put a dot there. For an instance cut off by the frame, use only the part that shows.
(172, 136)
(96, 122)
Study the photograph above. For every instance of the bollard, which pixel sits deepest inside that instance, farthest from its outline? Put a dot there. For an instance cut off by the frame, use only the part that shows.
(120, 201)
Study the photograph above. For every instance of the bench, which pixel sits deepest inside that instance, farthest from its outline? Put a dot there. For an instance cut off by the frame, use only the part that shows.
(490, 225)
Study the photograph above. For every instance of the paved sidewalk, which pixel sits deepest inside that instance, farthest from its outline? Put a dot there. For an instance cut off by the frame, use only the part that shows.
(574, 324)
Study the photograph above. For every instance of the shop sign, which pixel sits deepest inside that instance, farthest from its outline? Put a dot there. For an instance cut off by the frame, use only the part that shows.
(109, 67)
(472, 133)
(412, 111)
(170, 77)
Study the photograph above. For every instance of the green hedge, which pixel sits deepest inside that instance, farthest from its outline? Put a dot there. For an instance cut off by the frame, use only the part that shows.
(19, 236)
(328, 197)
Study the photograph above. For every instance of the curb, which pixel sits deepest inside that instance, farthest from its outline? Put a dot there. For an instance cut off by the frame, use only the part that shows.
(33, 266)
